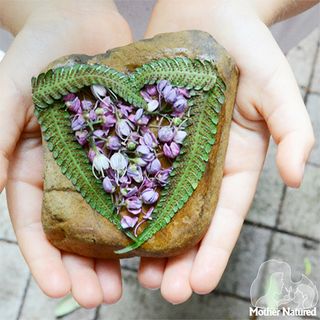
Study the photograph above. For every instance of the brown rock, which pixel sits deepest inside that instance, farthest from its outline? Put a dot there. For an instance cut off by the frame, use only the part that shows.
(69, 222)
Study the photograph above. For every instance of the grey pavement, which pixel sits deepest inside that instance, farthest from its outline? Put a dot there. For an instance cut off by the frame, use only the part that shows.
(282, 224)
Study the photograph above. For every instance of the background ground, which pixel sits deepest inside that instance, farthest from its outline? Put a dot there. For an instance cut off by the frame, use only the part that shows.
(282, 224)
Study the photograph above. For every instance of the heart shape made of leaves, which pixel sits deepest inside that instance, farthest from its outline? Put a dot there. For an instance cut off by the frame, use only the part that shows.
(200, 76)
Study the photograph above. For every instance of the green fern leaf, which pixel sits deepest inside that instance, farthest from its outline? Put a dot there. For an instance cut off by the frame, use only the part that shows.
(189, 167)
(182, 72)
(73, 161)
(53, 84)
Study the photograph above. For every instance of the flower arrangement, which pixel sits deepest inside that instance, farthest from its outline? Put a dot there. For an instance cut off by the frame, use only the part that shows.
(131, 149)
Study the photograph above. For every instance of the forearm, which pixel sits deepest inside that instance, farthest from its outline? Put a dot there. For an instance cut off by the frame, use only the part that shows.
(15, 13)
(271, 11)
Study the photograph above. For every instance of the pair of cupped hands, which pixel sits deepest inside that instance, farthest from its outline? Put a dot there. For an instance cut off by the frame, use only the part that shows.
(268, 102)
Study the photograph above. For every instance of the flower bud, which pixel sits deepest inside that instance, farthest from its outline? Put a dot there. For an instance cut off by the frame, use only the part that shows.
(149, 196)
(179, 136)
(154, 166)
(166, 134)
(171, 151)
(98, 91)
(113, 143)
(134, 205)
(118, 162)
(128, 222)
(108, 186)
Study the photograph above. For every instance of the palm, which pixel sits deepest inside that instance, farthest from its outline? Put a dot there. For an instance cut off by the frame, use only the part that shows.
(102, 279)
(267, 94)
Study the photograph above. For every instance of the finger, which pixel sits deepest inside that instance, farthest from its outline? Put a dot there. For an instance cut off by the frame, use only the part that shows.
(85, 285)
(289, 124)
(245, 156)
(24, 201)
(150, 272)
(175, 286)
(41, 46)
(109, 274)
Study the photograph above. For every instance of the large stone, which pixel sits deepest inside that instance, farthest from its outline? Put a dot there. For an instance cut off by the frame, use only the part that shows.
(72, 225)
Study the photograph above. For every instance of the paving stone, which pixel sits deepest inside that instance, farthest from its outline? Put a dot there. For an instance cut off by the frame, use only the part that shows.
(295, 251)
(130, 263)
(315, 84)
(313, 106)
(249, 253)
(302, 56)
(38, 306)
(13, 279)
(6, 231)
(140, 303)
(301, 207)
(267, 199)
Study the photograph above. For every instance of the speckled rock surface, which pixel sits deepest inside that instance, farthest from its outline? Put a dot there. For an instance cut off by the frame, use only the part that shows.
(72, 225)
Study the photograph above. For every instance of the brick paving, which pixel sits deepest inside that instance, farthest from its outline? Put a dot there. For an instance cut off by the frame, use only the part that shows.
(283, 224)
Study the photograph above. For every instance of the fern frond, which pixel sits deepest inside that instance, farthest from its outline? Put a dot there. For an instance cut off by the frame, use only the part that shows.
(73, 161)
(189, 167)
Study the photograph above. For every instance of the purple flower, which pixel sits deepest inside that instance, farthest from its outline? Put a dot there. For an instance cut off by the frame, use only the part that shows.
(179, 136)
(143, 150)
(154, 166)
(69, 97)
(113, 143)
(134, 205)
(149, 196)
(145, 95)
(108, 121)
(77, 122)
(161, 85)
(151, 90)
(135, 173)
(91, 155)
(138, 114)
(106, 102)
(74, 105)
(92, 115)
(171, 151)
(149, 139)
(180, 105)
(108, 185)
(129, 192)
(170, 95)
(147, 215)
(123, 128)
(86, 104)
(166, 134)
(140, 162)
(184, 92)
(162, 176)
(124, 181)
(118, 162)
(125, 109)
(98, 133)
(128, 222)
(143, 121)
(81, 137)
(98, 91)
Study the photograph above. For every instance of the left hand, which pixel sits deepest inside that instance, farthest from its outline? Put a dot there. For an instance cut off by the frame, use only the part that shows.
(268, 102)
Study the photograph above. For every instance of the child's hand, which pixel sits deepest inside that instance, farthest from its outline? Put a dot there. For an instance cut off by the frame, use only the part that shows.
(268, 102)
(50, 30)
